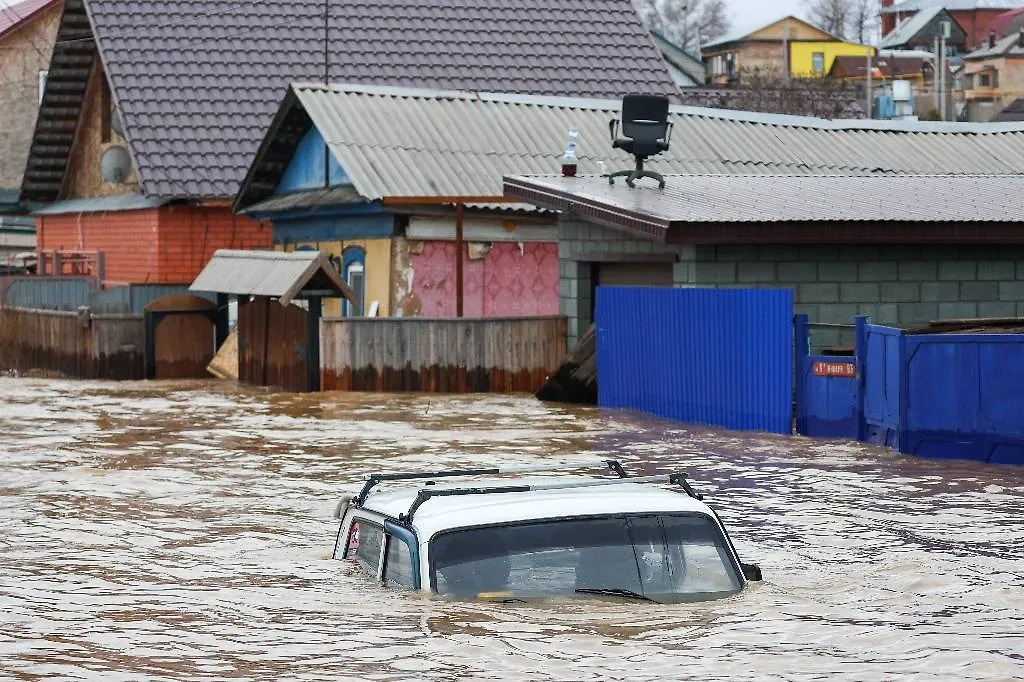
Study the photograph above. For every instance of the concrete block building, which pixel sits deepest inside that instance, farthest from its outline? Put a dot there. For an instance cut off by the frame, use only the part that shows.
(917, 251)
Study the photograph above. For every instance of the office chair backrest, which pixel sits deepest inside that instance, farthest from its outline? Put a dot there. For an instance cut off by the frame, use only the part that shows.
(645, 117)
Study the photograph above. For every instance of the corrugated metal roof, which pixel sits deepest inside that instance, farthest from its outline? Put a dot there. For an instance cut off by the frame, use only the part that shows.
(794, 198)
(118, 202)
(331, 196)
(951, 5)
(903, 33)
(269, 273)
(457, 144)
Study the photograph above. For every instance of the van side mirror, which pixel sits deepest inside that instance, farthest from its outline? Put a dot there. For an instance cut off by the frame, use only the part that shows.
(751, 572)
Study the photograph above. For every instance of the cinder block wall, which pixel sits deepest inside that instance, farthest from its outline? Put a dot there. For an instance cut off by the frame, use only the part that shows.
(896, 285)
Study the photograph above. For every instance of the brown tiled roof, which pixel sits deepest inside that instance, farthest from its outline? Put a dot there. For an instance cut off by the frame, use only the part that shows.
(856, 66)
(198, 81)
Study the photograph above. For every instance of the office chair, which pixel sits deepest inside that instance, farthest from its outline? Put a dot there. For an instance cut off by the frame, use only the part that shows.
(646, 131)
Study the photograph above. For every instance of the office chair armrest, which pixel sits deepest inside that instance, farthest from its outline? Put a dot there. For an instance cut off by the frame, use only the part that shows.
(613, 128)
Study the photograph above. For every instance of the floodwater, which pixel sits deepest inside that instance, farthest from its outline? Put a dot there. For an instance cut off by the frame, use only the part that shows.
(183, 531)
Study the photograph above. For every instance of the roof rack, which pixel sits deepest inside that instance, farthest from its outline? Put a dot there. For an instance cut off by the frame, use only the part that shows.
(374, 479)
(423, 495)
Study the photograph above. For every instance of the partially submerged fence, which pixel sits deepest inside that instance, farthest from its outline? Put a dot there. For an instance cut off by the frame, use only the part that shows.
(63, 343)
(459, 355)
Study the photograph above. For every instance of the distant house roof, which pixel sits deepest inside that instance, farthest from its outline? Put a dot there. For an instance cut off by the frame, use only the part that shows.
(1004, 47)
(739, 34)
(277, 274)
(16, 15)
(905, 32)
(196, 83)
(713, 208)
(951, 5)
(1014, 111)
(1008, 21)
(847, 66)
(686, 69)
(460, 144)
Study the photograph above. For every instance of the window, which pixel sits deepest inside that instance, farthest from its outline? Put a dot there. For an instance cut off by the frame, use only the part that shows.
(42, 84)
(818, 62)
(984, 80)
(353, 270)
(398, 563)
(667, 557)
(364, 544)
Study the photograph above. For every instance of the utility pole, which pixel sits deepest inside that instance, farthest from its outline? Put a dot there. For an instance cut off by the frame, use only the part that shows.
(942, 75)
(870, 109)
(935, 78)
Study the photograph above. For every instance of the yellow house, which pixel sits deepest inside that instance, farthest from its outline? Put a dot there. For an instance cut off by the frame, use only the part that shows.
(372, 267)
(786, 46)
(815, 57)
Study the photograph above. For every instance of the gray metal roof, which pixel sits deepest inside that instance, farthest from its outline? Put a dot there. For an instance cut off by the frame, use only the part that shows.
(117, 202)
(460, 145)
(270, 273)
(904, 33)
(951, 5)
(788, 198)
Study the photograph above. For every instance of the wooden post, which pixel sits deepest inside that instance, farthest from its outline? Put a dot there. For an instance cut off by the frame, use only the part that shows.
(313, 343)
(458, 259)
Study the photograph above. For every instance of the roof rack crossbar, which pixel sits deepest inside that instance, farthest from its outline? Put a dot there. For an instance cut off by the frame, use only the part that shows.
(423, 495)
(374, 480)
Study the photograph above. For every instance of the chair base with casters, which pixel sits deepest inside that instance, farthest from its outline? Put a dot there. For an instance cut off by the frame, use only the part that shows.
(633, 175)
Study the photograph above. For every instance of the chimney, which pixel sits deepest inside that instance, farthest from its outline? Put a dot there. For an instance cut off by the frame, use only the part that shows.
(888, 19)
(991, 38)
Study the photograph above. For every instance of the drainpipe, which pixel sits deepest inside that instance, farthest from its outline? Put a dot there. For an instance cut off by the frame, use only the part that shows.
(458, 259)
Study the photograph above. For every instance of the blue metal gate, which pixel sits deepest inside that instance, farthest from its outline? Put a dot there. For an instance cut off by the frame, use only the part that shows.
(826, 390)
(880, 353)
(712, 356)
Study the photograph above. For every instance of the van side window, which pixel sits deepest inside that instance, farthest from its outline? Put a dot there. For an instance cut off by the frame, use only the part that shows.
(364, 542)
(398, 564)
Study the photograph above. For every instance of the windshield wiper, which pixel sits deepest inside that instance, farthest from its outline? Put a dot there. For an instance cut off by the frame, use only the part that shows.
(614, 591)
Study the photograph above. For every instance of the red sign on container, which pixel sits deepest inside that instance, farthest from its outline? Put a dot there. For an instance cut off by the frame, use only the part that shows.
(834, 369)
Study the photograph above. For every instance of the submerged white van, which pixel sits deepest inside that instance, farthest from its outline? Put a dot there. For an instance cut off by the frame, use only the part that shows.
(518, 539)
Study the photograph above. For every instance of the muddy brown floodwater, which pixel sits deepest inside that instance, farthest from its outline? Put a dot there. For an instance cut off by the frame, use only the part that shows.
(183, 531)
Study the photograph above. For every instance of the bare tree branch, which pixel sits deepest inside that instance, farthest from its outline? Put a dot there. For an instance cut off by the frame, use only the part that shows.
(687, 23)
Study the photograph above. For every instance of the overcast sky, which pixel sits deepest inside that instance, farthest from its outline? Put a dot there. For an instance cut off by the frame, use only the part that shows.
(751, 13)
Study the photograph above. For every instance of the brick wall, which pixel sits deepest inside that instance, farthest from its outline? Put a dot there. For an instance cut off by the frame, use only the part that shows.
(23, 54)
(168, 245)
(190, 234)
(128, 238)
(895, 285)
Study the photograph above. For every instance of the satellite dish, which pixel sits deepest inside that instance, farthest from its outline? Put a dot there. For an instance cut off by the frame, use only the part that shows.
(115, 122)
(115, 164)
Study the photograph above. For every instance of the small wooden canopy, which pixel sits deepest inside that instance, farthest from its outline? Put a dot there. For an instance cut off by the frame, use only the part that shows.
(280, 275)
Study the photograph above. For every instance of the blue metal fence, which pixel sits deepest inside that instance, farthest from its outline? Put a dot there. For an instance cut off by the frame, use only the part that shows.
(713, 356)
(45, 293)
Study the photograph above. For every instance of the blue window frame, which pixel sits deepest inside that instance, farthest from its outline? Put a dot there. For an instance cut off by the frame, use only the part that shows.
(353, 270)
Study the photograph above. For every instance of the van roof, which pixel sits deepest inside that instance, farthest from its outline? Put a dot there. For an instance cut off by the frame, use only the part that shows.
(449, 512)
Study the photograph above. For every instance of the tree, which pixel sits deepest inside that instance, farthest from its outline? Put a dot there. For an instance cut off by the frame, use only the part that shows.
(848, 19)
(687, 23)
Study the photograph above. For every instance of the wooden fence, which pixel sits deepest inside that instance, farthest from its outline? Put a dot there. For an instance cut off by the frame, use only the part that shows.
(461, 355)
(62, 343)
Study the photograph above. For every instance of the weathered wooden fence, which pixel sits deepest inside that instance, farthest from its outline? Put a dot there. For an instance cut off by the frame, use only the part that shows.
(462, 355)
(70, 344)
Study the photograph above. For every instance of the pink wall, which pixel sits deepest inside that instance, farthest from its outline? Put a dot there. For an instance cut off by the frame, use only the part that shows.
(507, 282)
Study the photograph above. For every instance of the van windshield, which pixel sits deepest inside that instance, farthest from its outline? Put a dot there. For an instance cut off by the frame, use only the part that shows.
(660, 557)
